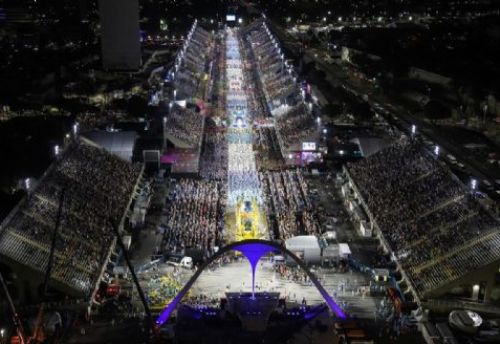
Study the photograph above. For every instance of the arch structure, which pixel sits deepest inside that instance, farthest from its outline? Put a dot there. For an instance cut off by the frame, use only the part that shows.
(253, 250)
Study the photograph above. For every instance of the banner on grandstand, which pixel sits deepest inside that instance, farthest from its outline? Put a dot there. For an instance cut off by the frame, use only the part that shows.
(308, 146)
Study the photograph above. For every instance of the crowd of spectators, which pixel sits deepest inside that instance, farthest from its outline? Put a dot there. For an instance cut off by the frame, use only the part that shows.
(186, 125)
(213, 160)
(194, 215)
(267, 147)
(98, 188)
(192, 62)
(277, 82)
(296, 125)
(426, 215)
(279, 91)
(287, 201)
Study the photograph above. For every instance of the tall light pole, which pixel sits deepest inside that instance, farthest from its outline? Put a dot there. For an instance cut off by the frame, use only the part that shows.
(17, 321)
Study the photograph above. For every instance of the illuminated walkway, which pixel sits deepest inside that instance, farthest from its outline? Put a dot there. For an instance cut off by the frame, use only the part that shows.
(244, 200)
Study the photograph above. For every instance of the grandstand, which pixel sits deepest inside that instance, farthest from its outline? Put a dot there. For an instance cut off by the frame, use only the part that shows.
(278, 85)
(98, 189)
(294, 126)
(440, 236)
(294, 121)
(184, 130)
(192, 66)
(184, 127)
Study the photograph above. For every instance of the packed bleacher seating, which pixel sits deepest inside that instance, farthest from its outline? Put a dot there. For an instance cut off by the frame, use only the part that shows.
(195, 210)
(192, 62)
(267, 147)
(278, 91)
(186, 125)
(427, 217)
(287, 199)
(295, 125)
(213, 160)
(278, 84)
(98, 188)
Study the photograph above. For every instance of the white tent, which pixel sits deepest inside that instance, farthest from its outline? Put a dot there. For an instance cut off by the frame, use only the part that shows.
(306, 247)
(344, 250)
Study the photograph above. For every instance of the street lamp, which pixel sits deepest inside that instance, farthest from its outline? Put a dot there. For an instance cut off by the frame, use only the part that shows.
(473, 184)
(56, 150)
(413, 129)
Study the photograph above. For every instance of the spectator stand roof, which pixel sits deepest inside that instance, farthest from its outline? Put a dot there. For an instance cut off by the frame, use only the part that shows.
(302, 242)
(120, 143)
(370, 145)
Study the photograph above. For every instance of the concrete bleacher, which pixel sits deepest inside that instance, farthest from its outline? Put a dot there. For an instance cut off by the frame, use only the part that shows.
(294, 122)
(192, 64)
(439, 233)
(184, 127)
(98, 189)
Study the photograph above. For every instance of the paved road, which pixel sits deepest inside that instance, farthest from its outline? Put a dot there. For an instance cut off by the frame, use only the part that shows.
(237, 277)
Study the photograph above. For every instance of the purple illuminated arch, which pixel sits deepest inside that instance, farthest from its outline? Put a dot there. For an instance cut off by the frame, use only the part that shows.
(253, 250)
